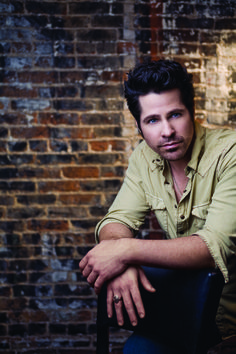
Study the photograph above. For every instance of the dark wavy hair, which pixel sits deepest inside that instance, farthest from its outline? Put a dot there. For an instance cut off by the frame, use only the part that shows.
(158, 76)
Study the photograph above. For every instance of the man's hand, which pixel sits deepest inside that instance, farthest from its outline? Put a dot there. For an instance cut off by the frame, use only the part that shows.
(105, 261)
(126, 287)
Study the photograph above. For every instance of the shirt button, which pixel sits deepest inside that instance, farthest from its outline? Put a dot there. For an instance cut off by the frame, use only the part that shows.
(182, 217)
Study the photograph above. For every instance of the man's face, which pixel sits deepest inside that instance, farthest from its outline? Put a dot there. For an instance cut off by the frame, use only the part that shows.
(166, 125)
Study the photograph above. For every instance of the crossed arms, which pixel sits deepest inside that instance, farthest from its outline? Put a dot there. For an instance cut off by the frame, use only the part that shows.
(118, 257)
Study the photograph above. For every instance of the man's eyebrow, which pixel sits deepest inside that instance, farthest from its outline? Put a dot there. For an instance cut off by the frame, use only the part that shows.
(179, 110)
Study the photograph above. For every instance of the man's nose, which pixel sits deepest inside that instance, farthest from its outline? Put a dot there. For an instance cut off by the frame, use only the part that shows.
(167, 129)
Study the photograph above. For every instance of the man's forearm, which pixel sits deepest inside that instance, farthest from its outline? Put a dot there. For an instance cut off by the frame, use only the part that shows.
(113, 231)
(113, 256)
(187, 252)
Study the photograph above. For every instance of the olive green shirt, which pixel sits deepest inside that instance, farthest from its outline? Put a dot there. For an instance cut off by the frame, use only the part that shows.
(207, 207)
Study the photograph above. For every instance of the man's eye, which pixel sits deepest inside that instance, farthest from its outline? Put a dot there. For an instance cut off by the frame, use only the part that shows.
(175, 115)
(152, 120)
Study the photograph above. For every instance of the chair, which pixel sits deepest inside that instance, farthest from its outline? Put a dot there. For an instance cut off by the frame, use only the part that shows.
(182, 309)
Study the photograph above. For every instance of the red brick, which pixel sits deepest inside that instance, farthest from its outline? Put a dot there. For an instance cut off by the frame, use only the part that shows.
(57, 119)
(16, 304)
(14, 91)
(30, 133)
(84, 315)
(17, 118)
(105, 145)
(126, 48)
(81, 172)
(39, 173)
(75, 199)
(48, 225)
(38, 77)
(59, 186)
(99, 145)
(82, 133)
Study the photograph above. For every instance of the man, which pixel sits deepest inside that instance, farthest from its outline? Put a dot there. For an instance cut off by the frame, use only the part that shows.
(186, 174)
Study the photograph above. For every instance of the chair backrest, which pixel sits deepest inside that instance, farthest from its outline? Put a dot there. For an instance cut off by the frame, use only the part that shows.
(183, 308)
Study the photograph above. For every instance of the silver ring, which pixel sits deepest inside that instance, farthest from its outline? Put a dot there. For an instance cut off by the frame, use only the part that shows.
(116, 299)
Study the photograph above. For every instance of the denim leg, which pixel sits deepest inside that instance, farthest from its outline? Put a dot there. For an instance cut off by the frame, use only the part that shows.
(138, 344)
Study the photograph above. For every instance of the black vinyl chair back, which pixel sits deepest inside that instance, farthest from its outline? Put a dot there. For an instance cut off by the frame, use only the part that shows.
(182, 309)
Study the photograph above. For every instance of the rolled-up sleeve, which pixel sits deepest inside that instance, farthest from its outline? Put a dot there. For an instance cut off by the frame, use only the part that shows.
(219, 231)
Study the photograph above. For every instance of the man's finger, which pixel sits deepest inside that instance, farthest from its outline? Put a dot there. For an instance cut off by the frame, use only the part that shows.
(87, 270)
(109, 302)
(99, 283)
(145, 282)
(128, 303)
(92, 278)
(83, 263)
(137, 300)
(119, 310)
(111, 292)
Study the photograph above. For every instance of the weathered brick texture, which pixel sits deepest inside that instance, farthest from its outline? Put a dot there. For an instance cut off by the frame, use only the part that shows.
(65, 139)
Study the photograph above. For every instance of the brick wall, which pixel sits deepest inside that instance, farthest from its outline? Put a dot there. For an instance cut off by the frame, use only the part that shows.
(65, 138)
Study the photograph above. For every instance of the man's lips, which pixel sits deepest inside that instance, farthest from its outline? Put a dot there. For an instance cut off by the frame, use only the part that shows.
(170, 144)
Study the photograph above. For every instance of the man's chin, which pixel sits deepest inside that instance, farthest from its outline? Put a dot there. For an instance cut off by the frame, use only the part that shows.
(172, 155)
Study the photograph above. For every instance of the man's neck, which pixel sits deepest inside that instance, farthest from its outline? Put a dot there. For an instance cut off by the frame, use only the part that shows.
(178, 167)
(179, 177)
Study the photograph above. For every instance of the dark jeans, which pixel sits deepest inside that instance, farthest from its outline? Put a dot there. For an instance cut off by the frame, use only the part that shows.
(138, 344)
(141, 344)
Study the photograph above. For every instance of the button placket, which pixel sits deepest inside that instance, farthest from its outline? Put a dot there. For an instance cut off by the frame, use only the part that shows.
(181, 218)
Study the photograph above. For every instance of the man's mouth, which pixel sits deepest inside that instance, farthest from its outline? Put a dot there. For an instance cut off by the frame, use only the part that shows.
(171, 144)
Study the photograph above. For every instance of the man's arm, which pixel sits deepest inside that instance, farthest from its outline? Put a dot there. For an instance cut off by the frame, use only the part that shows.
(187, 252)
(114, 231)
(119, 259)
(112, 257)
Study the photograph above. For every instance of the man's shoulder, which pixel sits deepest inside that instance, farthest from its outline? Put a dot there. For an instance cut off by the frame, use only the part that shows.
(144, 158)
(218, 139)
(142, 150)
(219, 143)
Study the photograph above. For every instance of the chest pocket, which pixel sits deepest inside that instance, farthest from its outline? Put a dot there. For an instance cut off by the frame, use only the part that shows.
(199, 214)
(158, 207)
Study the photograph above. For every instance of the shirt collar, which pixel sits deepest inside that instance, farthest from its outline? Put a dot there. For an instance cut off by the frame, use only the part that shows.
(198, 146)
